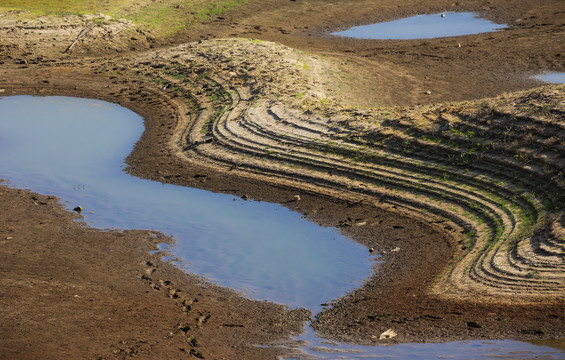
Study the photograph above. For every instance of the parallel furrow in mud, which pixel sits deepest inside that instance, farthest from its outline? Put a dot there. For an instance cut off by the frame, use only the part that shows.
(491, 171)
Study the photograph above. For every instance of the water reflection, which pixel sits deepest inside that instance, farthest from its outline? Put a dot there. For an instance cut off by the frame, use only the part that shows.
(423, 27)
(318, 348)
(74, 148)
(552, 77)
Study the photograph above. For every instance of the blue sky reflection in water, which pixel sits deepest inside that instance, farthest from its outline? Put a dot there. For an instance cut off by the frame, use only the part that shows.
(74, 148)
(318, 348)
(423, 27)
(552, 77)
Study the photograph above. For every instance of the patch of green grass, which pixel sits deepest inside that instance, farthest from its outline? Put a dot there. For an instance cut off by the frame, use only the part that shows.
(164, 19)
(61, 7)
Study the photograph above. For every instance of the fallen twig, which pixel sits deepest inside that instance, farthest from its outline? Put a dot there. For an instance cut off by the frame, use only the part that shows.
(83, 32)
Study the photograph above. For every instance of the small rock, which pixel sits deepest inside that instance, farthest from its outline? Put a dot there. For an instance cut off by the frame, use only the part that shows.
(371, 250)
(9, 237)
(458, 45)
(442, 15)
(296, 197)
(389, 334)
(361, 223)
(245, 197)
(396, 249)
(427, 92)
(78, 209)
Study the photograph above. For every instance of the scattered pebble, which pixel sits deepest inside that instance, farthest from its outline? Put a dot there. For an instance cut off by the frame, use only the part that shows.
(296, 197)
(428, 92)
(9, 237)
(396, 249)
(245, 197)
(78, 209)
(442, 15)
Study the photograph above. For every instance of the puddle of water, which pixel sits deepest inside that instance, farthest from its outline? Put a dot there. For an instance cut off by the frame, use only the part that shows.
(74, 148)
(319, 348)
(423, 27)
(552, 77)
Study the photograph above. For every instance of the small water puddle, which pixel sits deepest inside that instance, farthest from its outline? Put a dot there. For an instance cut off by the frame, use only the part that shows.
(552, 77)
(319, 348)
(74, 148)
(424, 27)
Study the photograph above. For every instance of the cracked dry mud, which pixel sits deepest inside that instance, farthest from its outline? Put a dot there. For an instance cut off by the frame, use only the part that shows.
(464, 200)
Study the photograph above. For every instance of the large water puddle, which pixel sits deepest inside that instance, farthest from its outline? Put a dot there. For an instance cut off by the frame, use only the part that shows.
(424, 27)
(74, 148)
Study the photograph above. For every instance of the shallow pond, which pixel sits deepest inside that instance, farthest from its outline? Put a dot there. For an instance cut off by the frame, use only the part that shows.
(552, 77)
(423, 27)
(318, 348)
(74, 148)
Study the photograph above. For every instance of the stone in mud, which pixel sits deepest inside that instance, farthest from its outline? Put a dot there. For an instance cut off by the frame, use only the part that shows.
(389, 334)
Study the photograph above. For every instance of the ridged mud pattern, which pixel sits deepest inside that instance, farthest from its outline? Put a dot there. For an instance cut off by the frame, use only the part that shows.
(490, 171)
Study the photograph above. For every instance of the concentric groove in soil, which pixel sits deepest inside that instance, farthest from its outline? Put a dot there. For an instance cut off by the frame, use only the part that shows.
(492, 169)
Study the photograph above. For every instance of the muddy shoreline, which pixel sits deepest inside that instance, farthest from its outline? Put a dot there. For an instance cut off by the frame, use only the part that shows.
(396, 296)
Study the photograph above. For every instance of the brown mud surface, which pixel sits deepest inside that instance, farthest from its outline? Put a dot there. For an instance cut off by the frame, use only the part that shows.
(263, 120)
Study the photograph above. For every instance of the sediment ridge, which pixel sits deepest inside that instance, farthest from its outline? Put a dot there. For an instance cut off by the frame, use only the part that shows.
(490, 171)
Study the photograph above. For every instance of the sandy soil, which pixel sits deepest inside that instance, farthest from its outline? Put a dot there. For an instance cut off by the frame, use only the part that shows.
(310, 123)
